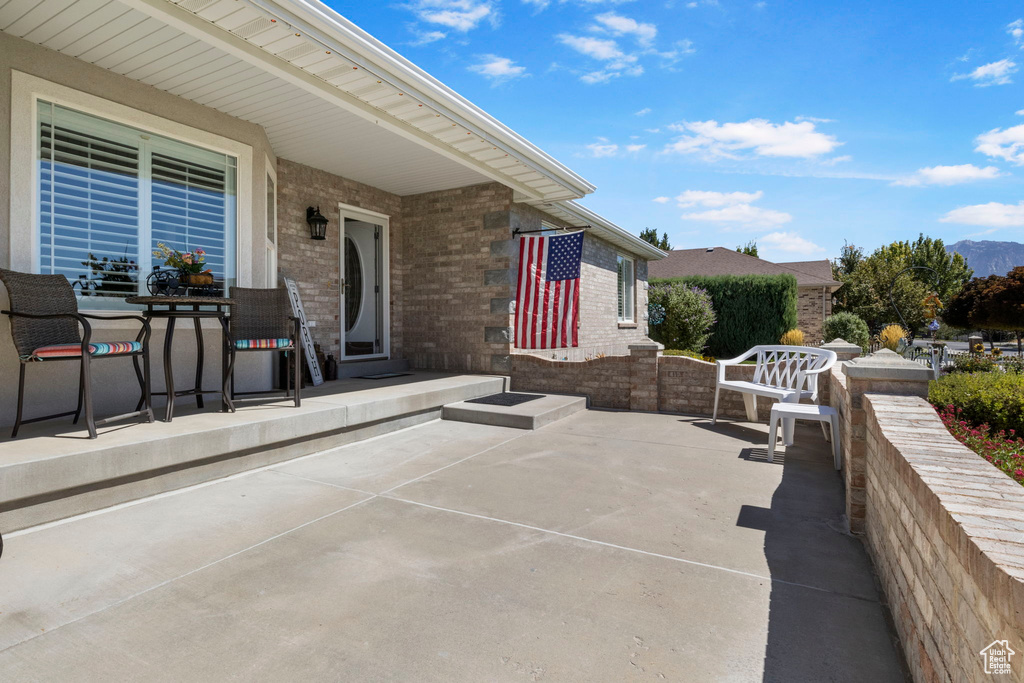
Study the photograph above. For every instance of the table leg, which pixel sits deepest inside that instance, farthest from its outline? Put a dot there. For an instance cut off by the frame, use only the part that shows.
(200, 352)
(226, 404)
(169, 370)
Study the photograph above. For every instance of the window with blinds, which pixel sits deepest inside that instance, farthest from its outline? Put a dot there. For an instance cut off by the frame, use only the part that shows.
(109, 193)
(626, 288)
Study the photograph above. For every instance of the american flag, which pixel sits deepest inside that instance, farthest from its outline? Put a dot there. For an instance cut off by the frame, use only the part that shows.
(548, 294)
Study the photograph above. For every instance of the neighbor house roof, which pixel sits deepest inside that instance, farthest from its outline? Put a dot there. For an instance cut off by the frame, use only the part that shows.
(723, 261)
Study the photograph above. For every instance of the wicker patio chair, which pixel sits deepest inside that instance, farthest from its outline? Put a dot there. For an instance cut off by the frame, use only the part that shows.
(45, 326)
(262, 320)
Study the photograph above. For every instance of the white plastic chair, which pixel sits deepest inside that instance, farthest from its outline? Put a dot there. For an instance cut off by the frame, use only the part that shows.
(788, 374)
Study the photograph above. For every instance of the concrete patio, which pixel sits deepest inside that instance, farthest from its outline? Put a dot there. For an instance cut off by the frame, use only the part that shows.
(604, 546)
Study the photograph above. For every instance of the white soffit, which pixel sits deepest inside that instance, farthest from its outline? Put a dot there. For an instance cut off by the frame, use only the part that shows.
(320, 87)
(577, 215)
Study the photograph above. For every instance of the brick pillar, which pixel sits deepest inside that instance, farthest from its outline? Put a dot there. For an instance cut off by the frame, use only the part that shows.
(844, 351)
(883, 372)
(643, 376)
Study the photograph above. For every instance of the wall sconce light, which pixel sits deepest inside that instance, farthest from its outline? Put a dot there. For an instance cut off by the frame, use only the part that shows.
(317, 223)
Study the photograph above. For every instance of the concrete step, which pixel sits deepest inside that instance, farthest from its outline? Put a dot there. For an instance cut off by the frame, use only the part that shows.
(371, 367)
(530, 415)
(53, 470)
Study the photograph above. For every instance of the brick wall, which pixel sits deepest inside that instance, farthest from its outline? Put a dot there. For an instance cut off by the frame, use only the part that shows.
(315, 265)
(455, 265)
(687, 385)
(945, 530)
(606, 381)
(812, 307)
(599, 330)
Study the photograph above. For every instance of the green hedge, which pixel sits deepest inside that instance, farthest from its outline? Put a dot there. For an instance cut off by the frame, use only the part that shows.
(751, 309)
(992, 398)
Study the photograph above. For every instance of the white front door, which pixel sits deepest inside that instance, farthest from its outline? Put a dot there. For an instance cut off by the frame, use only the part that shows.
(364, 316)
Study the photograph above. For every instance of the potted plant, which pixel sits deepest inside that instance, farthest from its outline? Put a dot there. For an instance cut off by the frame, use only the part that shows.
(191, 265)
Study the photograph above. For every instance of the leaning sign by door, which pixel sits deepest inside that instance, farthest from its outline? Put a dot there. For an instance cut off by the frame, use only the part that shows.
(307, 338)
(548, 293)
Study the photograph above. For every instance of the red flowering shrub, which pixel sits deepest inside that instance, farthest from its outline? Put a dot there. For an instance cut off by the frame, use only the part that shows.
(1004, 449)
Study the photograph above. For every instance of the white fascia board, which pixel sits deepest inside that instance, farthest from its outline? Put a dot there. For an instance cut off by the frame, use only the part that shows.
(338, 33)
(610, 231)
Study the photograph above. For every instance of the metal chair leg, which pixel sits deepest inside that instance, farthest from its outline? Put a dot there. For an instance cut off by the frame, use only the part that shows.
(714, 413)
(81, 396)
(90, 423)
(296, 359)
(147, 385)
(21, 399)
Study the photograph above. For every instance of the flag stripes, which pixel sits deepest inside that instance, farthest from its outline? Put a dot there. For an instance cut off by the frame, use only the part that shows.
(547, 293)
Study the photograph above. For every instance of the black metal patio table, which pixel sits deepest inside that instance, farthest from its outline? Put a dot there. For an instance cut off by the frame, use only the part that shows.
(172, 308)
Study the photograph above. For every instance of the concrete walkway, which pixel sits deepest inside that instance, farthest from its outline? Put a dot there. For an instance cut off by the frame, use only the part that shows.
(605, 546)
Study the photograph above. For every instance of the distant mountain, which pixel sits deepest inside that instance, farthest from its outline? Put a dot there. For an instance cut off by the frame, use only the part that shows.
(990, 258)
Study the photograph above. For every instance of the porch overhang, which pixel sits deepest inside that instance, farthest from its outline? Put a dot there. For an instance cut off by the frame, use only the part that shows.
(327, 94)
(577, 214)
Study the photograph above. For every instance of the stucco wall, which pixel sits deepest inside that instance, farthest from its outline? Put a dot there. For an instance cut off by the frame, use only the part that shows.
(53, 386)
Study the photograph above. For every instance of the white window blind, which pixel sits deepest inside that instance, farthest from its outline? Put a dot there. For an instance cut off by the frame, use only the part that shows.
(626, 285)
(109, 193)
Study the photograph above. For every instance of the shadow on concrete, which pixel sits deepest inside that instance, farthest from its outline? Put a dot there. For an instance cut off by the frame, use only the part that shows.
(826, 622)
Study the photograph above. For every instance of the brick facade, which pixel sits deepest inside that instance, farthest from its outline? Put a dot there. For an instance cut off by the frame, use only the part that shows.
(316, 265)
(599, 329)
(944, 530)
(453, 264)
(813, 305)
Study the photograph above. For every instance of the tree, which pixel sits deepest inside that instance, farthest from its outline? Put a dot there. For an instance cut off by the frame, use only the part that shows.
(868, 280)
(750, 249)
(651, 235)
(995, 302)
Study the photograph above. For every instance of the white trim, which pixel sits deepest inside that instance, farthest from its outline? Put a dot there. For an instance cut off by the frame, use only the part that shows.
(27, 90)
(384, 221)
(271, 278)
(632, 260)
(602, 227)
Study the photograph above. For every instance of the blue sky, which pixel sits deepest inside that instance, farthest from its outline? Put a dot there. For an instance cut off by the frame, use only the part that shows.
(800, 125)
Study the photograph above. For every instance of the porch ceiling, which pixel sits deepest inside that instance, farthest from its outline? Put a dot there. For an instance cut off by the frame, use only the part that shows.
(318, 107)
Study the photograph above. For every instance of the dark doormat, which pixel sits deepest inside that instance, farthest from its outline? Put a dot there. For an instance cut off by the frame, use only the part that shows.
(384, 375)
(507, 399)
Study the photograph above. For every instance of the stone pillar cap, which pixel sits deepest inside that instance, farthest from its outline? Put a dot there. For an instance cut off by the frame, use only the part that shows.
(646, 346)
(887, 365)
(842, 346)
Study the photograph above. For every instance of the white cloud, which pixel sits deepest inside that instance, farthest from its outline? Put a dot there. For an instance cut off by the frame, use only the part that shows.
(716, 199)
(618, 25)
(1016, 29)
(789, 242)
(741, 215)
(603, 49)
(993, 215)
(764, 138)
(459, 15)
(948, 175)
(995, 73)
(1019, 112)
(1005, 144)
(427, 37)
(543, 4)
(730, 208)
(498, 69)
(634, 148)
(643, 112)
(661, 200)
(603, 149)
(814, 119)
(836, 160)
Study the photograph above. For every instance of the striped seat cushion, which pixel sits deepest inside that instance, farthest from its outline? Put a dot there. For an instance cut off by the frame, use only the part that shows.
(263, 343)
(95, 349)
